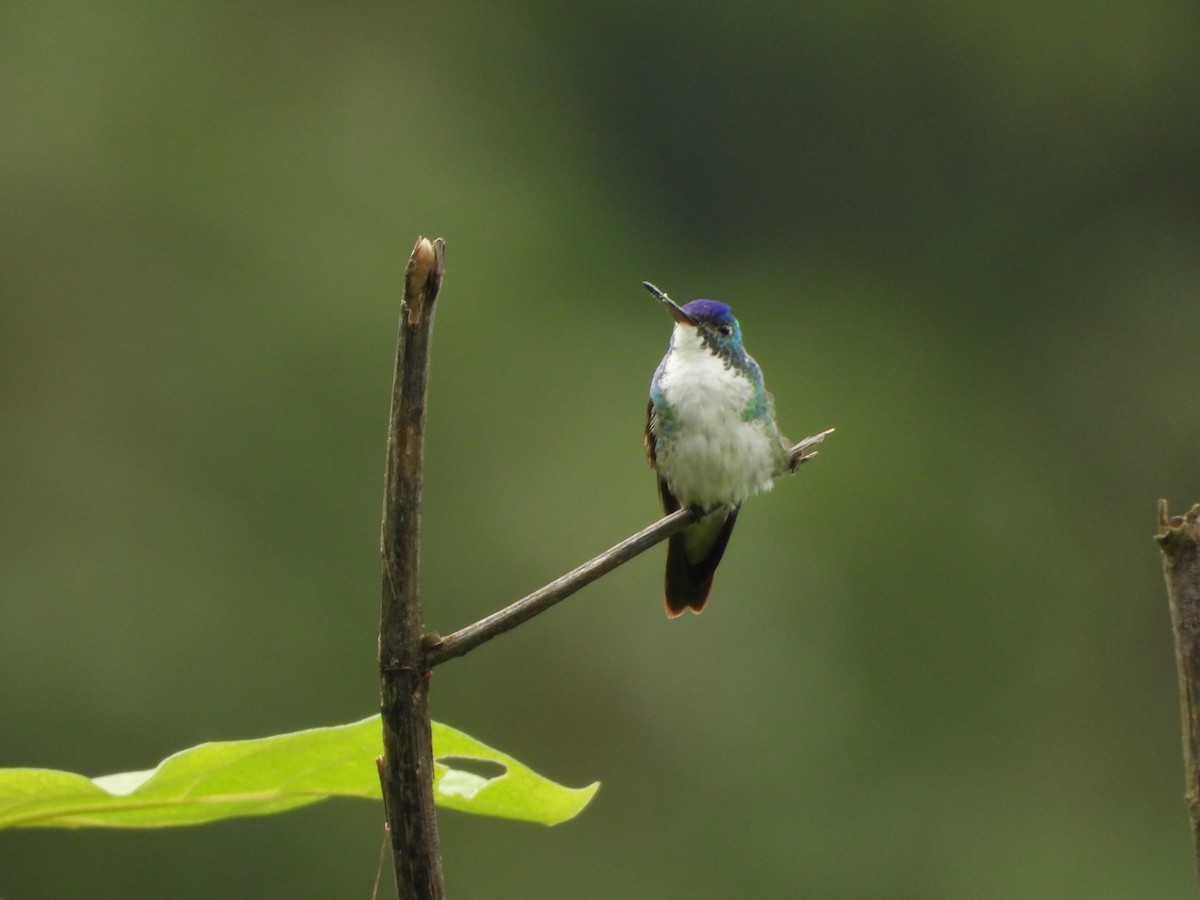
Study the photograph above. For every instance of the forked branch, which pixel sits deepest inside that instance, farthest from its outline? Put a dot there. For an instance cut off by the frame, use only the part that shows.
(405, 655)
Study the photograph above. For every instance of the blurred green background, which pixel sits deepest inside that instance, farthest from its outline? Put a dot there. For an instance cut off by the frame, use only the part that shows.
(936, 664)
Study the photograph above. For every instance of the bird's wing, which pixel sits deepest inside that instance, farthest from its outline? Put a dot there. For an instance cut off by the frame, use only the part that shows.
(651, 457)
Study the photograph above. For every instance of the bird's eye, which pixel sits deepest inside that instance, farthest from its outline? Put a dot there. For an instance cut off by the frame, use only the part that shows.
(724, 330)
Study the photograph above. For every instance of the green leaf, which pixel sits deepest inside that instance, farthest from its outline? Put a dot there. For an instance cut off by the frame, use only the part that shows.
(223, 780)
(518, 794)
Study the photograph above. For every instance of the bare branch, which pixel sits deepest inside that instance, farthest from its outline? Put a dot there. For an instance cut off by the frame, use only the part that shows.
(438, 649)
(403, 674)
(405, 657)
(1179, 540)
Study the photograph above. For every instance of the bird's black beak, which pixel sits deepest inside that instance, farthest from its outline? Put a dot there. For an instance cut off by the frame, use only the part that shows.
(673, 308)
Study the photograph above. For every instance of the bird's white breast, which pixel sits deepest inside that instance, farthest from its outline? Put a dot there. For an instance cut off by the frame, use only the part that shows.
(714, 456)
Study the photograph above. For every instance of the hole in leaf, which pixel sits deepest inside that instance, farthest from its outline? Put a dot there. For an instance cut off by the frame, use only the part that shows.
(484, 768)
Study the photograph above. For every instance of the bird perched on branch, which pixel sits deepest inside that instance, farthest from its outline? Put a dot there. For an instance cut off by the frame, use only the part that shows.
(712, 437)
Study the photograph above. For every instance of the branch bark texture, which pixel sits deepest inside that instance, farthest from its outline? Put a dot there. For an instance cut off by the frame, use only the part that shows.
(1179, 539)
(404, 675)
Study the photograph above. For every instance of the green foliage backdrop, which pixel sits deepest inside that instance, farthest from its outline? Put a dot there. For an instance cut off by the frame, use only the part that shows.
(936, 664)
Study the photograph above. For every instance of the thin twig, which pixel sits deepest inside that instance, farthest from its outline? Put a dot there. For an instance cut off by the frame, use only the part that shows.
(403, 673)
(799, 454)
(381, 765)
(438, 649)
(1179, 540)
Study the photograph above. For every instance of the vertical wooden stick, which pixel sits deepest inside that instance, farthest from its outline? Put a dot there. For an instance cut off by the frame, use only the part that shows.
(1179, 540)
(404, 674)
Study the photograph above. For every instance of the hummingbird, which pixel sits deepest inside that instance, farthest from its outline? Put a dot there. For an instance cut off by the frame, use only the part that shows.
(712, 438)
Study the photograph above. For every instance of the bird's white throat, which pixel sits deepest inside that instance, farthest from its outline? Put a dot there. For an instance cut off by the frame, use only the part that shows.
(714, 456)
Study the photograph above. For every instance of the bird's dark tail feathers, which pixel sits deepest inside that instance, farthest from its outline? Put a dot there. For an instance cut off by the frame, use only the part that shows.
(690, 574)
